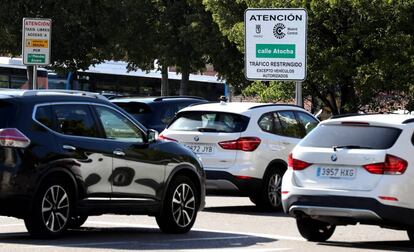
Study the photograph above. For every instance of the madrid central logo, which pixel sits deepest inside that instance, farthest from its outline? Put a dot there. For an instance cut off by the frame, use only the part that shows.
(278, 30)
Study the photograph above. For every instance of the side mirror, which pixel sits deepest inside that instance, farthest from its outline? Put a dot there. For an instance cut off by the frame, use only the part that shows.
(152, 135)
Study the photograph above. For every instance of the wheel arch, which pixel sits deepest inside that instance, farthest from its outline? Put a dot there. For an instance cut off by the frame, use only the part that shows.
(277, 164)
(185, 170)
(59, 173)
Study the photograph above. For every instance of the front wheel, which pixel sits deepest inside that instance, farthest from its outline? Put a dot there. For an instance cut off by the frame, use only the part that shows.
(51, 210)
(314, 230)
(180, 206)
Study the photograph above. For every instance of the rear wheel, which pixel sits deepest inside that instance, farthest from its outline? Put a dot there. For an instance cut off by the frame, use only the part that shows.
(180, 206)
(51, 210)
(410, 233)
(314, 230)
(269, 197)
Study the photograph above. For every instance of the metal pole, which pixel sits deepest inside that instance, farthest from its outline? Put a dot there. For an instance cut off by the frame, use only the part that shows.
(34, 84)
(298, 94)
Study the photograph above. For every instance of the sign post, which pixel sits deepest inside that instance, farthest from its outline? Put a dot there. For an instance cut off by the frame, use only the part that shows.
(275, 45)
(36, 43)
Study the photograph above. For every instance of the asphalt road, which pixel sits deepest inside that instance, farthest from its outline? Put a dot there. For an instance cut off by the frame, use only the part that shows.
(226, 224)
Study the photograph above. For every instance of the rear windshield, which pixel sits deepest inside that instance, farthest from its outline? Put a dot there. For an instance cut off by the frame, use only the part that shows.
(207, 121)
(351, 136)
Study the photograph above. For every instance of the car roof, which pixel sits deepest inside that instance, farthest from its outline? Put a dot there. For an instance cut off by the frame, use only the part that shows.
(234, 107)
(9, 93)
(157, 99)
(374, 119)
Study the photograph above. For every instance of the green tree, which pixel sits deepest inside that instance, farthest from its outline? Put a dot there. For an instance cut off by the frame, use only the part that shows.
(356, 48)
(272, 91)
(80, 34)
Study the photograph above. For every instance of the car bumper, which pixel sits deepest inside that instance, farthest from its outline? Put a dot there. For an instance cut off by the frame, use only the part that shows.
(225, 183)
(348, 210)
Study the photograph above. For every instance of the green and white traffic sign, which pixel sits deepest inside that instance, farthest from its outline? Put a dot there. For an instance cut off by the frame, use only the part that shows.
(275, 44)
(36, 41)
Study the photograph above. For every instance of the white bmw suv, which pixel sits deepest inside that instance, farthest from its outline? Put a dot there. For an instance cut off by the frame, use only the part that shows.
(350, 170)
(243, 146)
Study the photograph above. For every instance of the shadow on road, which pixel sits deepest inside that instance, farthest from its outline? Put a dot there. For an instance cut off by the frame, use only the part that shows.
(249, 210)
(134, 239)
(373, 245)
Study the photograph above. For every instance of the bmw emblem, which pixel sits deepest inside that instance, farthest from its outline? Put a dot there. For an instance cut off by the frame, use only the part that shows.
(196, 138)
(334, 157)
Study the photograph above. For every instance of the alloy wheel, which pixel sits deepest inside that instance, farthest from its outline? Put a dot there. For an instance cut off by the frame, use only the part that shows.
(273, 190)
(55, 208)
(183, 205)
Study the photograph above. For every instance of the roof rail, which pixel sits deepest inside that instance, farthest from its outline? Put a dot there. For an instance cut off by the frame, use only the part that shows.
(179, 96)
(63, 92)
(352, 114)
(411, 120)
(275, 104)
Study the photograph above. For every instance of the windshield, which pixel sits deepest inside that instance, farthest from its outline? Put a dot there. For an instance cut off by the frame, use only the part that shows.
(351, 137)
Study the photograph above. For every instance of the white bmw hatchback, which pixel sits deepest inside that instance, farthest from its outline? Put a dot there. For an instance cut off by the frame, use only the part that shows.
(243, 146)
(350, 170)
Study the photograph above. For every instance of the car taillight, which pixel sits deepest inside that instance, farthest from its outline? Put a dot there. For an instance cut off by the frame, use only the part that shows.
(243, 143)
(164, 138)
(392, 166)
(297, 164)
(11, 137)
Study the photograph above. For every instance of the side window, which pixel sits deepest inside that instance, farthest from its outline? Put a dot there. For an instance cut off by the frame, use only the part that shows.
(118, 127)
(308, 122)
(266, 122)
(75, 120)
(290, 125)
(44, 116)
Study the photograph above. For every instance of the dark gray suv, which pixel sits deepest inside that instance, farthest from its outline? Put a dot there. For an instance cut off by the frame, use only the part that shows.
(67, 155)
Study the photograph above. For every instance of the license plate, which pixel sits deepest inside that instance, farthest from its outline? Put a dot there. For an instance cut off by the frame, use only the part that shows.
(201, 148)
(345, 173)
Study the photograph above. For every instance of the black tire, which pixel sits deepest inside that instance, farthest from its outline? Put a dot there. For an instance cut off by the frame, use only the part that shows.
(269, 197)
(77, 221)
(410, 233)
(51, 210)
(180, 206)
(314, 230)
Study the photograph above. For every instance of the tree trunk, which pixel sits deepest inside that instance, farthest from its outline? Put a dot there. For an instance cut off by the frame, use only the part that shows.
(185, 76)
(348, 99)
(164, 81)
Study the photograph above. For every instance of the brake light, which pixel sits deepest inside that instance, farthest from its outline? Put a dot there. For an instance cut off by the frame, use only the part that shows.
(11, 137)
(392, 166)
(164, 138)
(297, 164)
(243, 143)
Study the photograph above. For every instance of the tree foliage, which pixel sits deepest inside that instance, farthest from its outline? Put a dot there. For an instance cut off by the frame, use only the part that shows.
(81, 30)
(272, 91)
(356, 48)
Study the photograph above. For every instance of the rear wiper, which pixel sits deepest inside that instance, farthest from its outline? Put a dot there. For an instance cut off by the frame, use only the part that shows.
(209, 130)
(350, 147)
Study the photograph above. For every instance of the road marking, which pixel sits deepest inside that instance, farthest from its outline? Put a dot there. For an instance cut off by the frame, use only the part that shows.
(240, 235)
(10, 225)
(276, 237)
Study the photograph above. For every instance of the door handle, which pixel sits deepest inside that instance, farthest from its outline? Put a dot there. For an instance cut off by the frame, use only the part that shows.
(69, 147)
(119, 153)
